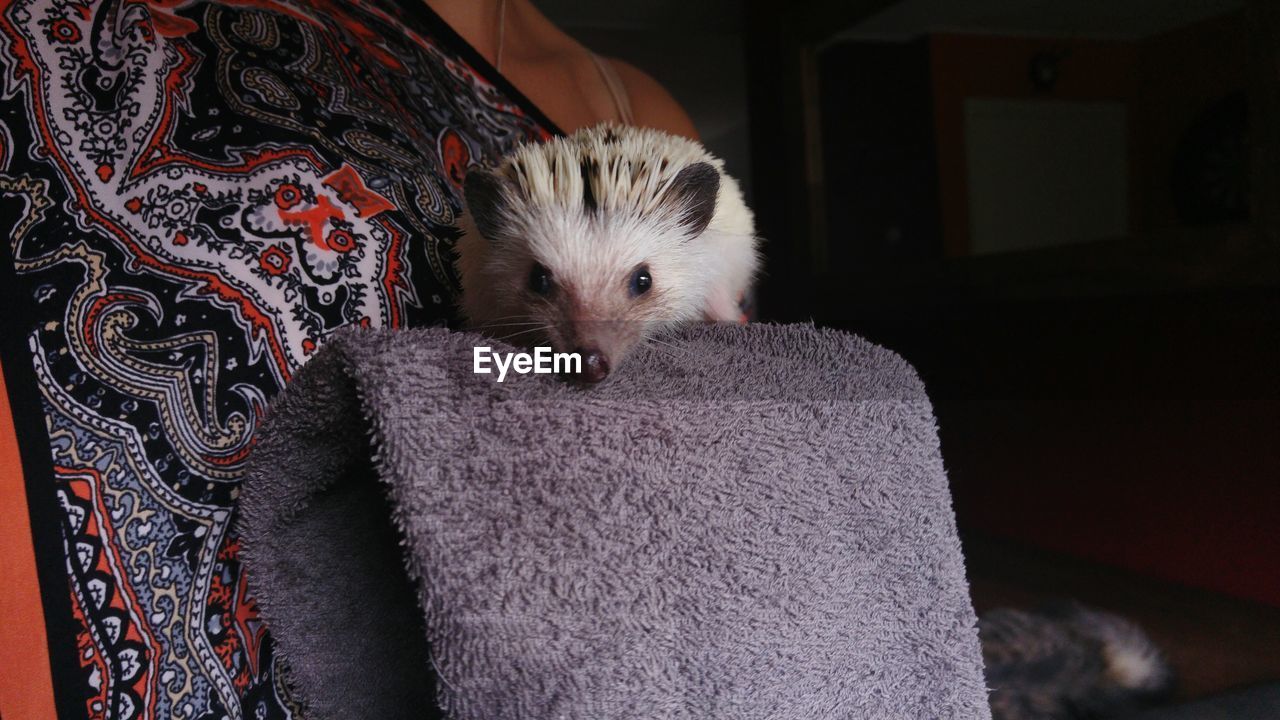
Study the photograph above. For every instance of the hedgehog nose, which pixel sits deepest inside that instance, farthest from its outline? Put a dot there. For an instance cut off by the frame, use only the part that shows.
(595, 366)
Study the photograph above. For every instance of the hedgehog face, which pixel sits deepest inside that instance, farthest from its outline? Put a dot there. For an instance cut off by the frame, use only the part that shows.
(602, 310)
(597, 289)
(596, 278)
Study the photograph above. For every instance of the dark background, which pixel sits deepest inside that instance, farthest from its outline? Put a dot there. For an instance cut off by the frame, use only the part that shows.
(1108, 400)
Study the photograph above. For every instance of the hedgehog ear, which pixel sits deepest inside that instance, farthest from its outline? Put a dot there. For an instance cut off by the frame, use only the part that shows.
(693, 192)
(488, 197)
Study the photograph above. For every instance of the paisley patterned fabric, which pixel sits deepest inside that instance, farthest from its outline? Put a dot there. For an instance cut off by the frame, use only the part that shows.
(194, 196)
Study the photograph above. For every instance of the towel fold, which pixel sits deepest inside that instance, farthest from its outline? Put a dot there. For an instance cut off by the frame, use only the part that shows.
(745, 522)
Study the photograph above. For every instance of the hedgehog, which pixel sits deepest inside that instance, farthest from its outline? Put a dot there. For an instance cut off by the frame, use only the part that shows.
(598, 241)
(1066, 661)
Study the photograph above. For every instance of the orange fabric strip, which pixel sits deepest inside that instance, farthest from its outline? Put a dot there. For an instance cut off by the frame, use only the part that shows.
(26, 686)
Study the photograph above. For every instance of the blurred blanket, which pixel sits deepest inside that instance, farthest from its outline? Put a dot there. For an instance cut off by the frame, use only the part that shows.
(745, 522)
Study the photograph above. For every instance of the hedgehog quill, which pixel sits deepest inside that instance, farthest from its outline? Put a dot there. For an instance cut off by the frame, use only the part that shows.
(599, 241)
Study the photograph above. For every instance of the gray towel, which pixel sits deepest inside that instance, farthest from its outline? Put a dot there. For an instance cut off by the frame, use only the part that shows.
(750, 522)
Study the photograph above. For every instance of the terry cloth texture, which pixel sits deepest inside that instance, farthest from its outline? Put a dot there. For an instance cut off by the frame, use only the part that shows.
(754, 525)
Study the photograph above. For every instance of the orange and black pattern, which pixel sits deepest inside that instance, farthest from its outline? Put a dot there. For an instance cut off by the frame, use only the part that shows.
(193, 197)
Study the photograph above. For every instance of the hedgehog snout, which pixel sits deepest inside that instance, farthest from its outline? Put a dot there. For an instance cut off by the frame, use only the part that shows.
(595, 365)
(602, 346)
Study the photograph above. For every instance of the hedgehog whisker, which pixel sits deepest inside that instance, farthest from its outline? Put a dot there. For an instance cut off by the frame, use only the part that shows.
(666, 353)
(506, 324)
(671, 345)
(512, 318)
(523, 332)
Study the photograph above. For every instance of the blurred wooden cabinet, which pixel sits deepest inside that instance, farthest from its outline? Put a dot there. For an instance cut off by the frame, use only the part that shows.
(883, 163)
(1115, 397)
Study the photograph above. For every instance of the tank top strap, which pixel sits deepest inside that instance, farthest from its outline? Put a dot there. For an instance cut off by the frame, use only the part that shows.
(621, 102)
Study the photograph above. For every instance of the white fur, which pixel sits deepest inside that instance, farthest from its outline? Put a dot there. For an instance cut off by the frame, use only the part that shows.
(1132, 668)
(592, 254)
(1133, 661)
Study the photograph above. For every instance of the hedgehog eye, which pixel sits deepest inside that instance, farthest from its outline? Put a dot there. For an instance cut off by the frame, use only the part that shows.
(641, 281)
(540, 279)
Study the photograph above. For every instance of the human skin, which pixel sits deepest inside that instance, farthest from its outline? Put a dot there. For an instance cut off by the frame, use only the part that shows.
(555, 71)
